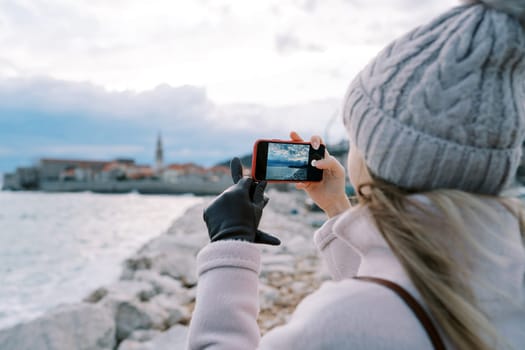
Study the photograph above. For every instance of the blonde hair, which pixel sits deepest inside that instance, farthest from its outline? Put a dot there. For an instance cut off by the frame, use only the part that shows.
(421, 235)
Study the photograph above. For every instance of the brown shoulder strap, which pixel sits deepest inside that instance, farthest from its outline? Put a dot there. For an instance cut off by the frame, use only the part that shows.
(414, 305)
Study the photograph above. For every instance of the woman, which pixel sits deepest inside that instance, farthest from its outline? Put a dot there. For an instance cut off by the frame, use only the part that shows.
(436, 123)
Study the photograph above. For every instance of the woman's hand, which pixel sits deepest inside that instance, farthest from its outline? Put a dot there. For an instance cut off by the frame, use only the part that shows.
(236, 212)
(329, 194)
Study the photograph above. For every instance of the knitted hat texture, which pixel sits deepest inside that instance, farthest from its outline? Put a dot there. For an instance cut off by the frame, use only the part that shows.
(444, 105)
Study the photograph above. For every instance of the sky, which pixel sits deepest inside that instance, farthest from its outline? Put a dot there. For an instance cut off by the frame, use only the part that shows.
(100, 79)
(291, 153)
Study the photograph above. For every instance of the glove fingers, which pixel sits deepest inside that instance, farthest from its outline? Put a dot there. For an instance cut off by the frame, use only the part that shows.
(258, 194)
(236, 169)
(245, 183)
(265, 238)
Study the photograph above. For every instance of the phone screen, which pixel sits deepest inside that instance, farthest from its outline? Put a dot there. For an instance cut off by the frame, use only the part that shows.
(286, 161)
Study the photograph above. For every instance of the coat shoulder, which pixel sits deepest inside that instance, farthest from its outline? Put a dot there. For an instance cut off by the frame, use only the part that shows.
(354, 314)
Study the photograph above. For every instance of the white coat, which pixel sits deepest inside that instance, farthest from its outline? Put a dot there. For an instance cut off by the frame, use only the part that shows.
(346, 313)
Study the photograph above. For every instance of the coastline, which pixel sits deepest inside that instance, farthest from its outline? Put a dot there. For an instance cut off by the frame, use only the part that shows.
(150, 306)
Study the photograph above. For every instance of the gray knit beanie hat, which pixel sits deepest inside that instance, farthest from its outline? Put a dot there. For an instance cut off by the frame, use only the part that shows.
(444, 105)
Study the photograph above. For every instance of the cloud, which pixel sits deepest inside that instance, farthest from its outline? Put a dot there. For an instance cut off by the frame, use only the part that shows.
(237, 51)
(177, 104)
(107, 151)
(43, 26)
(288, 152)
(288, 42)
(307, 118)
(8, 68)
(308, 5)
(211, 75)
(46, 117)
(171, 108)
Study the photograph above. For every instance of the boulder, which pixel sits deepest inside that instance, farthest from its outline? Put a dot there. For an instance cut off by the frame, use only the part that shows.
(171, 305)
(80, 326)
(131, 315)
(161, 284)
(136, 263)
(267, 296)
(178, 266)
(174, 338)
(168, 255)
(283, 263)
(139, 340)
(124, 289)
(133, 345)
(299, 245)
(97, 295)
(143, 335)
(182, 239)
(190, 223)
(160, 312)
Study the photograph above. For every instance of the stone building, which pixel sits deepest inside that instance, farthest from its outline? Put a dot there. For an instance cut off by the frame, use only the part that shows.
(52, 169)
(24, 178)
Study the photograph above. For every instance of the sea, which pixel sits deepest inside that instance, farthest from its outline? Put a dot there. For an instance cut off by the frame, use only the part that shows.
(285, 173)
(57, 247)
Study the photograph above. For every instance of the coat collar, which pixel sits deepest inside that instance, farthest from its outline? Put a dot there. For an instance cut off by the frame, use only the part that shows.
(356, 228)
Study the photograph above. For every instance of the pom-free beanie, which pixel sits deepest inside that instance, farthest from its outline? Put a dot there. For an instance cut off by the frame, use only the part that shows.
(444, 105)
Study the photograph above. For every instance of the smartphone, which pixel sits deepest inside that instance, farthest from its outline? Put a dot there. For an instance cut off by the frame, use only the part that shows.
(286, 161)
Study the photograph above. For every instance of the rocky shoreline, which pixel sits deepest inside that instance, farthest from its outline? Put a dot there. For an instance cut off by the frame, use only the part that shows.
(150, 306)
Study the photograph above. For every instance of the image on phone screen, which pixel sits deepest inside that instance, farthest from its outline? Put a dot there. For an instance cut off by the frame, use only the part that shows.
(287, 161)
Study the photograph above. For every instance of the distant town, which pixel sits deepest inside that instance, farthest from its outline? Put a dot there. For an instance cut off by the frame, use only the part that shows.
(123, 175)
(119, 176)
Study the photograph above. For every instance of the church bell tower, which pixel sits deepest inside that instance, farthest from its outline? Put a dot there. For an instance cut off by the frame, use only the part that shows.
(159, 156)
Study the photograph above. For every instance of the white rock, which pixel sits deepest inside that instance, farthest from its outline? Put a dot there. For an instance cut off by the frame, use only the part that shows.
(192, 293)
(162, 284)
(136, 263)
(267, 295)
(129, 316)
(172, 339)
(285, 269)
(284, 263)
(171, 305)
(141, 290)
(133, 345)
(277, 259)
(143, 335)
(80, 326)
(184, 239)
(133, 315)
(299, 287)
(123, 290)
(172, 256)
(299, 245)
(178, 266)
(191, 222)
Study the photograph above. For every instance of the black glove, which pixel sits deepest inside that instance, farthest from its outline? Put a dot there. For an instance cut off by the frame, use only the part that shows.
(236, 213)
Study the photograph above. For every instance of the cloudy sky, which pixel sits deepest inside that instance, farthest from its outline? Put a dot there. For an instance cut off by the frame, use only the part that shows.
(101, 78)
(279, 152)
